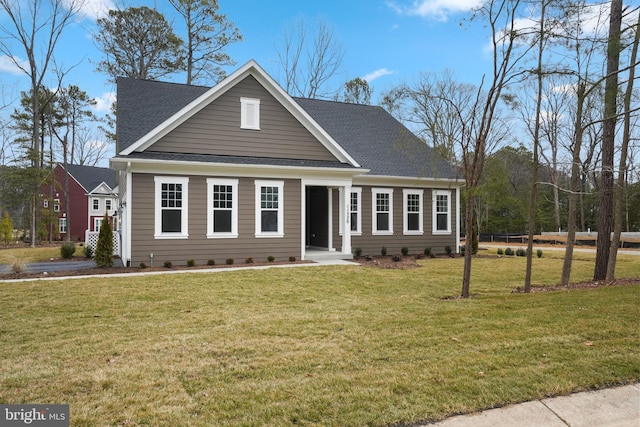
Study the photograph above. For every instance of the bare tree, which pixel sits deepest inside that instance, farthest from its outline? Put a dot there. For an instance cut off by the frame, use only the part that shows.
(624, 150)
(309, 66)
(605, 207)
(34, 28)
(501, 16)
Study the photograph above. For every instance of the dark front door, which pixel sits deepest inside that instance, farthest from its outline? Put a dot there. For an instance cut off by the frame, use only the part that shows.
(317, 217)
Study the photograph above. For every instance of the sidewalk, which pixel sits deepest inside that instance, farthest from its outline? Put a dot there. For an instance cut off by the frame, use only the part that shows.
(613, 407)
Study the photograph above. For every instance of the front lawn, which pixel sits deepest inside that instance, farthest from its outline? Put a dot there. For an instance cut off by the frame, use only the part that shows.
(314, 345)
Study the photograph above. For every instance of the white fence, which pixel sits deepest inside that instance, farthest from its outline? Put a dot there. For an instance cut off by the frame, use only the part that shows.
(91, 240)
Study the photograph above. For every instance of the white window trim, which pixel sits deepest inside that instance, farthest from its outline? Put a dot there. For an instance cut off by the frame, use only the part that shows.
(56, 205)
(62, 221)
(93, 204)
(374, 217)
(234, 208)
(108, 205)
(405, 223)
(258, 192)
(159, 180)
(45, 203)
(436, 193)
(358, 231)
(246, 122)
(97, 223)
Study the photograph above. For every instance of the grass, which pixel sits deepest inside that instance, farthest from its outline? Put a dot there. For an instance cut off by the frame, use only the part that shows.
(313, 345)
(26, 254)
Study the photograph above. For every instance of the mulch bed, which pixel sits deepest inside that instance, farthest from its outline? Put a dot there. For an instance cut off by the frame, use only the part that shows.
(129, 270)
(582, 285)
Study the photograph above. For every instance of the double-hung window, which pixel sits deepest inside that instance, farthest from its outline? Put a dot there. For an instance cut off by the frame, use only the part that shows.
(269, 208)
(382, 208)
(441, 212)
(172, 207)
(62, 225)
(95, 204)
(412, 211)
(222, 212)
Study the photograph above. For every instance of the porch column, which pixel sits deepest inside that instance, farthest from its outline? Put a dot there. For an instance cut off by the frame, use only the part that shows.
(346, 220)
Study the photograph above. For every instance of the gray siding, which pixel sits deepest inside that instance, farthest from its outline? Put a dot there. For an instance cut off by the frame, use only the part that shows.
(216, 130)
(198, 247)
(372, 244)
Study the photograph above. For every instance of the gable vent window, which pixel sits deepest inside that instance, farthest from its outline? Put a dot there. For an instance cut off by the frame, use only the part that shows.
(250, 113)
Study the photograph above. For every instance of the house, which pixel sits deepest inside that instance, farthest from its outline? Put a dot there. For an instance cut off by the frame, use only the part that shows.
(244, 170)
(92, 193)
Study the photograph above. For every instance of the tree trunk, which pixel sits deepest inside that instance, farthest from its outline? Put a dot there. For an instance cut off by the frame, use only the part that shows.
(574, 188)
(605, 208)
(536, 144)
(622, 168)
(468, 224)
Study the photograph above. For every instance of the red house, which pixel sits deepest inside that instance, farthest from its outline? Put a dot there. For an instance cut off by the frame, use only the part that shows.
(92, 193)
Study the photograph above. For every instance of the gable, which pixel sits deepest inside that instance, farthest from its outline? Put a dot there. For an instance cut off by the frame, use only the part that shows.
(216, 129)
(102, 189)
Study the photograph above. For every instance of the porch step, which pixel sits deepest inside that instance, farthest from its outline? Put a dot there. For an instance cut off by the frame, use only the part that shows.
(318, 255)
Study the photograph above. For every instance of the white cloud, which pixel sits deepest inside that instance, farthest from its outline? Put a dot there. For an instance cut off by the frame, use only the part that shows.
(377, 74)
(436, 9)
(103, 103)
(8, 66)
(93, 9)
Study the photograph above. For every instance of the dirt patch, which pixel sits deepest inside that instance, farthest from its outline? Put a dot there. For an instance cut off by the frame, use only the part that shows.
(582, 285)
(389, 261)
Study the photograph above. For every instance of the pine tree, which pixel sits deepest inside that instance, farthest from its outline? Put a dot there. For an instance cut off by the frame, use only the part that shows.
(104, 248)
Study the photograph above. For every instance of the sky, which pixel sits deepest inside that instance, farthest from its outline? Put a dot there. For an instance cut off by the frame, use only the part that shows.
(386, 42)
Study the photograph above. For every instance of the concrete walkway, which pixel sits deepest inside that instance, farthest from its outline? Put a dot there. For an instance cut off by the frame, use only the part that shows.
(612, 407)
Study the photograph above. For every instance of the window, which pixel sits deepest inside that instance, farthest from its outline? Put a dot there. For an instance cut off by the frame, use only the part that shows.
(107, 205)
(45, 203)
(355, 214)
(354, 208)
(62, 225)
(95, 204)
(441, 212)
(222, 212)
(97, 224)
(269, 208)
(56, 205)
(382, 208)
(250, 113)
(412, 211)
(171, 210)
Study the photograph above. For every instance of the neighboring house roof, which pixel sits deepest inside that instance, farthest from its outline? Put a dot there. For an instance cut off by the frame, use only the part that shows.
(91, 177)
(364, 136)
(377, 140)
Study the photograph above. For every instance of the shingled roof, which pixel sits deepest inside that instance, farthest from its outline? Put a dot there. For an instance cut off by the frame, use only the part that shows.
(145, 104)
(377, 140)
(373, 137)
(91, 176)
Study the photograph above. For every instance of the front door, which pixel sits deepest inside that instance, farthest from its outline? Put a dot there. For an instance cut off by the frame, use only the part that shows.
(317, 217)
